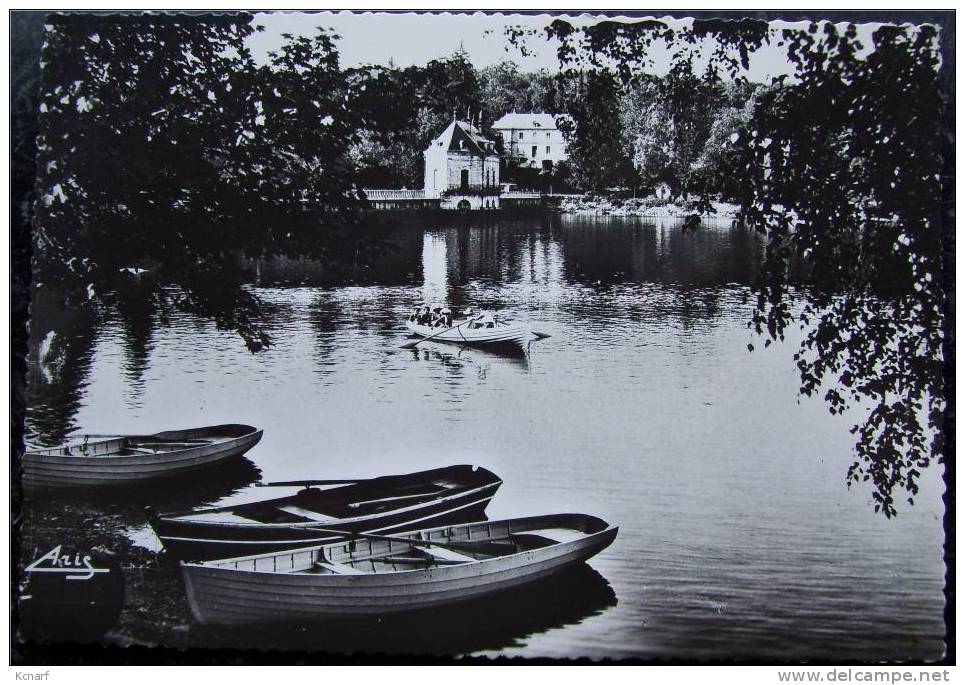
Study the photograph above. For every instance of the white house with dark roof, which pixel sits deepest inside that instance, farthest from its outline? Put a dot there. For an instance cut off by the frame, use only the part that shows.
(532, 139)
(462, 168)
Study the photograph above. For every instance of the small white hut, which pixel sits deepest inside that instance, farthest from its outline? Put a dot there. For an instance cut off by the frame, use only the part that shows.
(462, 168)
(663, 192)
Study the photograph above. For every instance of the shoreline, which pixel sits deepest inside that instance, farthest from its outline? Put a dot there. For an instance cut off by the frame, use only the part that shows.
(643, 207)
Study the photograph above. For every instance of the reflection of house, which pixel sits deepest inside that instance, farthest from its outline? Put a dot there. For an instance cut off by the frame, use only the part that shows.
(532, 140)
(462, 167)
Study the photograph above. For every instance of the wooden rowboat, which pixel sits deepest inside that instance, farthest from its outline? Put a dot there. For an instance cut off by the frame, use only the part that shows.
(385, 574)
(92, 460)
(400, 502)
(466, 332)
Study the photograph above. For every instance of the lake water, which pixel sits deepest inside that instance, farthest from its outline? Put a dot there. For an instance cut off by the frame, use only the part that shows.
(738, 536)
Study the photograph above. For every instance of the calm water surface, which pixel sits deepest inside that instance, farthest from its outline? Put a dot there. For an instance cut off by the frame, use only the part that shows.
(738, 536)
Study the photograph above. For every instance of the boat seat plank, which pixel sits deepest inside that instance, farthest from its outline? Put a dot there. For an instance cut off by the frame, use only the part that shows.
(339, 568)
(168, 446)
(424, 560)
(447, 554)
(216, 517)
(557, 534)
(306, 513)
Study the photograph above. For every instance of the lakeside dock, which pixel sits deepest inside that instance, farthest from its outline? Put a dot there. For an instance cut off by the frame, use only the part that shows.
(416, 200)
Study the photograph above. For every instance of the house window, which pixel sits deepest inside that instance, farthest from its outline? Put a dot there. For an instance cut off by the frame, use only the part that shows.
(520, 135)
(547, 149)
(547, 135)
(534, 151)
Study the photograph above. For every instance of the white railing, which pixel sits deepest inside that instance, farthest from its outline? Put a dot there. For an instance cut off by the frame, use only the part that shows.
(514, 195)
(390, 194)
(373, 194)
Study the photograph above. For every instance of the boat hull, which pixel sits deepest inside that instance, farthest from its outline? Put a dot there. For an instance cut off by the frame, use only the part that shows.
(53, 469)
(199, 540)
(512, 335)
(222, 594)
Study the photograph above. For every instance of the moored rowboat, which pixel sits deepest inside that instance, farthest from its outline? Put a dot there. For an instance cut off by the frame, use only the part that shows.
(385, 574)
(389, 503)
(124, 459)
(465, 333)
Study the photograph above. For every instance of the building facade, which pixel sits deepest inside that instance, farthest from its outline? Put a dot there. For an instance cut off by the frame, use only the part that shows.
(462, 168)
(532, 140)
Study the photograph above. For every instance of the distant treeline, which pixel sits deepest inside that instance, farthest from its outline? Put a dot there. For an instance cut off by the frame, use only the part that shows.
(621, 135)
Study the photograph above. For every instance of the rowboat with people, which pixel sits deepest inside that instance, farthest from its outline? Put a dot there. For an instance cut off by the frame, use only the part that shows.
(467, 327)
(94, 460)
(382, 574)
(398, 502)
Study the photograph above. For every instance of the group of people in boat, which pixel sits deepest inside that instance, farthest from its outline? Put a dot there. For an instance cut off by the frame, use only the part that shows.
(438, 316)
(433, 316)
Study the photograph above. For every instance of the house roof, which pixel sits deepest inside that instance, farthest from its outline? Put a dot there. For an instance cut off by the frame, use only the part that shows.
(470, 137)
(539, 120)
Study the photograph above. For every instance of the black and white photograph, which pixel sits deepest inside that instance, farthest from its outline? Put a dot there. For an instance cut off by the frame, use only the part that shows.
(482, 337)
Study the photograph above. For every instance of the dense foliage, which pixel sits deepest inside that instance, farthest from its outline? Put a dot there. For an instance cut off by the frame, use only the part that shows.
(838, 166)
(403, 109)
(620, 134)
(166, 156)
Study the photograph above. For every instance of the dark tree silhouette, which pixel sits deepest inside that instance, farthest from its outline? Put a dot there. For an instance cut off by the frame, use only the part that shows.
(166, 155)
(596, 144)
(402, 110)
(839, 168)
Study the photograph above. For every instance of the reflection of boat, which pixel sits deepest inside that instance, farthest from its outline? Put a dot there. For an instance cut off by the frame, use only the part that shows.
(493, 622)
(447, 495)
(483, 330)
(385, 574)
(175, 492)
(480, 358)
(103, 460)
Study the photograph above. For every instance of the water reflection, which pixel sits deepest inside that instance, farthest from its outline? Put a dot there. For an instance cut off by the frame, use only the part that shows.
(521, 266)
(495, 622)
(465, 356)
(657, 250)
(644, 407)
(59, 361)
(399, 266)
(167, 494)
(113, 518)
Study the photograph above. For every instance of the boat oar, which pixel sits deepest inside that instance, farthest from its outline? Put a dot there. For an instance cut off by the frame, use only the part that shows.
(309, 483)
(409, 345)
(481, 546)
(540, 336)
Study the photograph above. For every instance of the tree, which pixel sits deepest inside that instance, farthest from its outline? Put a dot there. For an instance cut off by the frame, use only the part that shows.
(503, 89)
(653, 145)
(838, 168)
(669, 121)
(165, 150)
(596, 141)
(714, 166)
(401, 110)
